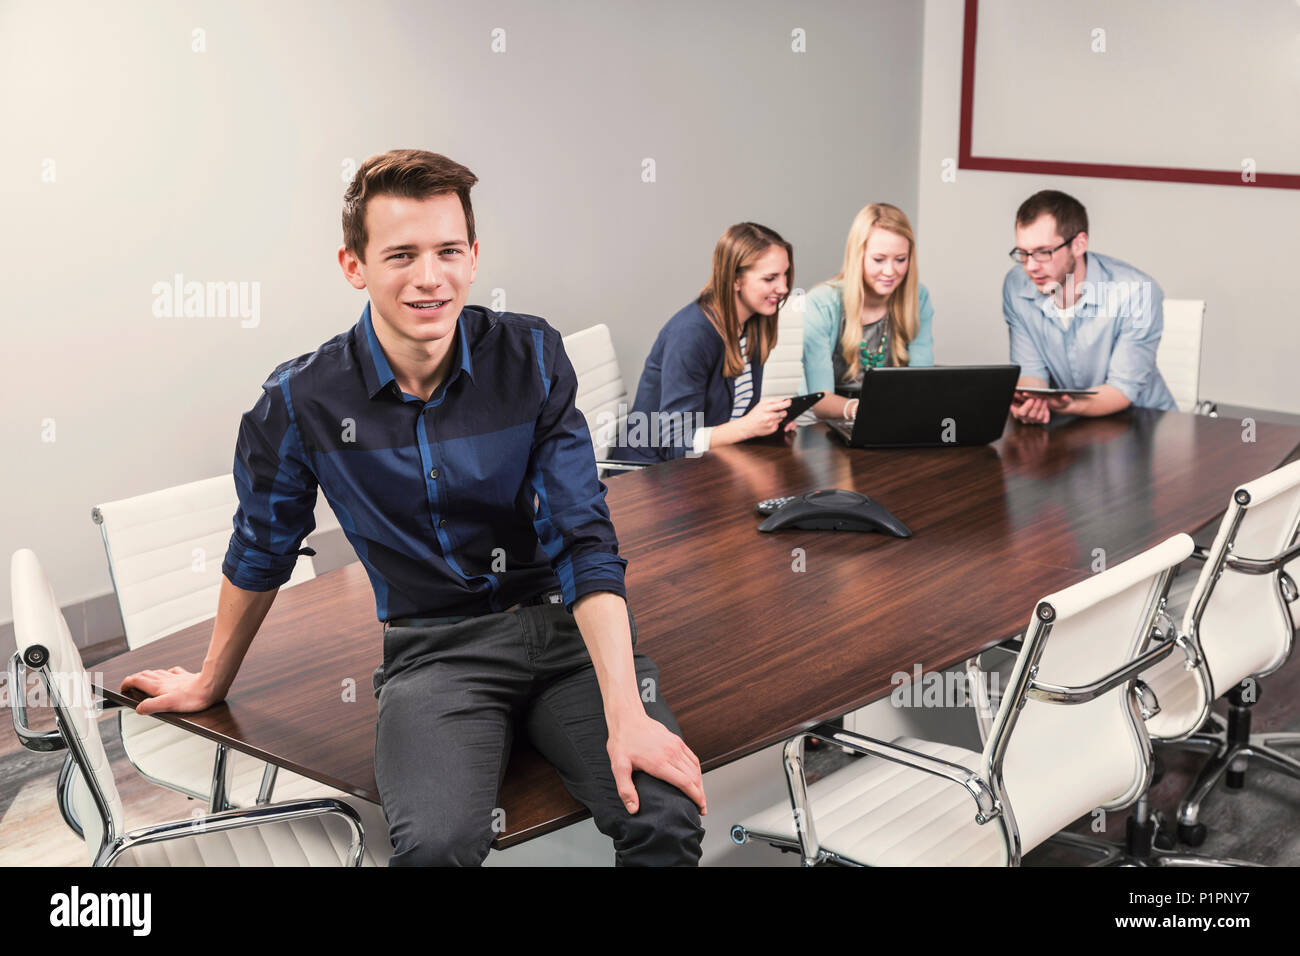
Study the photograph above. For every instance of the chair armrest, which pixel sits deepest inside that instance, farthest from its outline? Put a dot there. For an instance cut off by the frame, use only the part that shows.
(42, 741)
(979, 693)
(986, 805)
(1057, 694)
(262, 815)
(1266, 566)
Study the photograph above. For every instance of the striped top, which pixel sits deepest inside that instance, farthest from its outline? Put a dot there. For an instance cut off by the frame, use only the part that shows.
(744, 386)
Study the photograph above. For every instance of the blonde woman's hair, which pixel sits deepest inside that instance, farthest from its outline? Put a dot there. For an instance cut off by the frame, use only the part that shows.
(902, 308)
(740, 246)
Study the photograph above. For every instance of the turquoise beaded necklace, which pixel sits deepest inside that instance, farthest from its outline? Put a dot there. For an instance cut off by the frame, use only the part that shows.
(874, 358)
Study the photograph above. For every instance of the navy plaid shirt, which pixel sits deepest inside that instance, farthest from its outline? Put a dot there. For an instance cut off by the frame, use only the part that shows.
(483, 496)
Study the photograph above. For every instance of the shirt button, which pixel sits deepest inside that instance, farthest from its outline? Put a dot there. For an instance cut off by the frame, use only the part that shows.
(442, 522)
(434, 473)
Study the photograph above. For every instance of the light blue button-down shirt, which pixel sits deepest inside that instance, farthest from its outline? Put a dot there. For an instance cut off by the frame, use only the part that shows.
(1111, 338)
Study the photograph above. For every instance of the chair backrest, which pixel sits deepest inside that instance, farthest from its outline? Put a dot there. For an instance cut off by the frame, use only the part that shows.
(1245, 628)
(1179, 356)
(45, 643)
(783, 371)
(1055, 762)
(602, 396)
(164, 555)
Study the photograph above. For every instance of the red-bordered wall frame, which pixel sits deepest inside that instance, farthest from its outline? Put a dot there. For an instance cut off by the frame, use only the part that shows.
(1168, 174)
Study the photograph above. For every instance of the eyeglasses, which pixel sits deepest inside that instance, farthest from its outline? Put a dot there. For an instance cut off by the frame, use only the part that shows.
(1040, 255)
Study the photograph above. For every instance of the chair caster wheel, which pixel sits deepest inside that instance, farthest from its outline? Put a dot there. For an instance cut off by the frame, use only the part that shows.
(1164, 840)
(1234, 779)
(1193, 835)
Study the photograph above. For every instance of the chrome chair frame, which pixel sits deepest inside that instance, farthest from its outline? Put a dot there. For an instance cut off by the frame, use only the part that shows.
(115, 843)
(217, 796)
(991, 800)
(1230, 744)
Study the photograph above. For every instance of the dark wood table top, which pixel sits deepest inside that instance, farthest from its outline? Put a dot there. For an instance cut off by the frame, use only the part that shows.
(751, 650)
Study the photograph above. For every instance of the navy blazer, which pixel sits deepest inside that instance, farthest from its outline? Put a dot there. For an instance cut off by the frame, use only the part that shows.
(682, 387)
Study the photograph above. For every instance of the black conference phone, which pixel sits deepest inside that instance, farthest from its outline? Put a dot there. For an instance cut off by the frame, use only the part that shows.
(831, 510)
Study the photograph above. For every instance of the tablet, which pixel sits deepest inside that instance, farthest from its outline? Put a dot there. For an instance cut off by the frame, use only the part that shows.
(1056, 391)
(798, 405)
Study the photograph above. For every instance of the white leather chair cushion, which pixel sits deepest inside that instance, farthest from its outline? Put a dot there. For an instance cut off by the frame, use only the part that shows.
(881, 813)
(315, 841)
(602, 396)
(1178, 357)
(783, 371)
(1180, 696)
(165, 551)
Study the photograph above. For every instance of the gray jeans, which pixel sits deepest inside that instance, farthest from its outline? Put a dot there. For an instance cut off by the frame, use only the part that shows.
(450, 699)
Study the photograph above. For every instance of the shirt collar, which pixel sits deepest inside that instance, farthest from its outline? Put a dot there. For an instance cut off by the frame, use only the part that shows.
(376, 371)
(1084, 302)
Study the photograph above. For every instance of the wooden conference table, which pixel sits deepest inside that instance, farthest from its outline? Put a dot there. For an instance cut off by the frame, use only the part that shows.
(750, 648)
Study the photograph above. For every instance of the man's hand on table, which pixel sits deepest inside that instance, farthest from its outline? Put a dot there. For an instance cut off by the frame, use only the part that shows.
(175, 690)
(1037, 409)
(642, 743)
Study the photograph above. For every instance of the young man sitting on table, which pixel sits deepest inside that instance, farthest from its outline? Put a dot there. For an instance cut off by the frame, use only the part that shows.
(1078, 319)
(445, 437)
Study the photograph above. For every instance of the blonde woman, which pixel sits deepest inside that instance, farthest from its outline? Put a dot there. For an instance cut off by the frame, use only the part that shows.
(874, 313)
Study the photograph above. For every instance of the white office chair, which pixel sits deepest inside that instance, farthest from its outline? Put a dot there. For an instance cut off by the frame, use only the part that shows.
(164, 553)
(1240, 621)
(317, 832)
(602, 396)
(1179, 355)
(783, 371)
(1067, 738)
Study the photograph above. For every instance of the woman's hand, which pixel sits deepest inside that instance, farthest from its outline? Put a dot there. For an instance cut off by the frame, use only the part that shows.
(764, 418)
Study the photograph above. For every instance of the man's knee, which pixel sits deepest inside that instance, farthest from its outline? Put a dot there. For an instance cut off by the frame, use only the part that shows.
(665, 830)
(439, 843)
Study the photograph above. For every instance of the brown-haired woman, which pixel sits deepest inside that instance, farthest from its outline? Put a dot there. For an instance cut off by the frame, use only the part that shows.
(701, 382)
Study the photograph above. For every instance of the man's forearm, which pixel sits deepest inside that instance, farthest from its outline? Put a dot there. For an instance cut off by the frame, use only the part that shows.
(239, 614)
(602, 621)
(1107, 401)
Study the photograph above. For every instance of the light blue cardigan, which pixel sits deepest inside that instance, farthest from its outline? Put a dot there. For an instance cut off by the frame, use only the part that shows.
(821, 331)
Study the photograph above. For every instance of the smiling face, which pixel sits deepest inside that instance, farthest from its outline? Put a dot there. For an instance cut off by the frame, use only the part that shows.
(762, 286)
(419, 267)
(885, 260)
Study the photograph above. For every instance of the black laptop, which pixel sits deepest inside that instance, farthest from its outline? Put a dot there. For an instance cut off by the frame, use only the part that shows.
(940, 405)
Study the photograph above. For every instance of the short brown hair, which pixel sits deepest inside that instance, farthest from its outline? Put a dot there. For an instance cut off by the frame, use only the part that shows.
(1071, 218)
(411, 173)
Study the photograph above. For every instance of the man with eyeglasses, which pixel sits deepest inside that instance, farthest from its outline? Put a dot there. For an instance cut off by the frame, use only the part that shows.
(1078, 319)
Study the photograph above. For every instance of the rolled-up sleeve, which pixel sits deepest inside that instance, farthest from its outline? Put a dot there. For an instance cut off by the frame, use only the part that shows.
(572, 520)
(277, 492)
(1023, 351)
(1141, 322)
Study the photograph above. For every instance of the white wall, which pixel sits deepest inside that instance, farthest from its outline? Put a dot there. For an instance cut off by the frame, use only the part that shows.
(1235, 247)
(227, 165)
